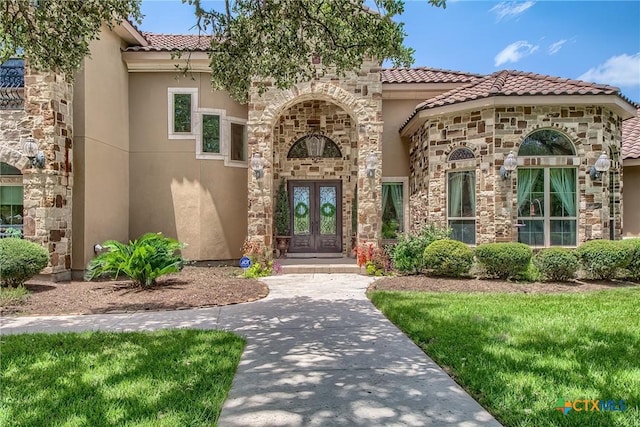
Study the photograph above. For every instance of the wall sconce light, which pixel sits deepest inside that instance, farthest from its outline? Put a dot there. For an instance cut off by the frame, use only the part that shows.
(372, 163)
(257, 166)
(31, 150)
(602, 165)
(315, 145)
(510, 164)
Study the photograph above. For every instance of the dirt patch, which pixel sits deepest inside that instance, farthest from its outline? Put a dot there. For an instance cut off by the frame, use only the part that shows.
(436, 284)
(192, 287)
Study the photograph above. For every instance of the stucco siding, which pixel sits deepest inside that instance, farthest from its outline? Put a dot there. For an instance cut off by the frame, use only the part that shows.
(395, 160)
(202, 203)
(631, 212)
(101, 149)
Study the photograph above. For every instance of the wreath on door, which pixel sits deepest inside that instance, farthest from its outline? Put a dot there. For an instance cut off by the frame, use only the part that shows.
(301, 210)
(327, 210)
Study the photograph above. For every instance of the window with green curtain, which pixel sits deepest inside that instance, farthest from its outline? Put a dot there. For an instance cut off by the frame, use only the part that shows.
(461, 206)
(547, 206)
(211, 133)
(392, 210)
(11, 205)
(182, 112)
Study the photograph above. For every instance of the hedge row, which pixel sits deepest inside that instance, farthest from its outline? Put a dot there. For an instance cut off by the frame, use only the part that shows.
(598, 259)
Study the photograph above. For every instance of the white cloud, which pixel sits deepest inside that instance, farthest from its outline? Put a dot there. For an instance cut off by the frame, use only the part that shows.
(555, 47)
(514, 52)
(622, 70)
(510, 9)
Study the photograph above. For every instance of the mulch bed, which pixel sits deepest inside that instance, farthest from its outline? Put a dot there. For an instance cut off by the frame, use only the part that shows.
(192, 287)
(436, 284)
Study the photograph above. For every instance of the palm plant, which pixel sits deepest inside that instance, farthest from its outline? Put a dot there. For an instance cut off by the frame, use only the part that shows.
(142, 260)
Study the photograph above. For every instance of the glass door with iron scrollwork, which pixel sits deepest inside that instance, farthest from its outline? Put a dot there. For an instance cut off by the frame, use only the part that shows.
(316, 216)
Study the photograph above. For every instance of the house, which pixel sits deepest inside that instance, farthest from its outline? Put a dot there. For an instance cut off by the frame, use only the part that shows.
(132, 147)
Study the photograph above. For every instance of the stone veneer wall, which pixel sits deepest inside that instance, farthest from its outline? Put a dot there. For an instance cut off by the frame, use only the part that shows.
(492, 133)
(359, 95)
(302, 119)
(48, 117)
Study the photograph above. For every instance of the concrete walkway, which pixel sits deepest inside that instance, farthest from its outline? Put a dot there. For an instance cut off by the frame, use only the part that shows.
(318, 354)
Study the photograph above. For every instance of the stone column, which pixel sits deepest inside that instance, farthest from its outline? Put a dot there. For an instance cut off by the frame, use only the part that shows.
(369, 189)
(47, 191)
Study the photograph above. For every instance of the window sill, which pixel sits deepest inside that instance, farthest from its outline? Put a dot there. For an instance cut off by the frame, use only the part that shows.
(209, 156)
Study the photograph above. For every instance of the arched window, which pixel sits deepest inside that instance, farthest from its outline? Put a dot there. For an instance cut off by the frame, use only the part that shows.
(304, 147)
(547, 196)
(11, 200)
(546, 142)
(462, 153)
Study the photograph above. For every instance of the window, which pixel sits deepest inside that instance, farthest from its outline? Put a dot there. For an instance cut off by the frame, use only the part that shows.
(461, 154)
(238, 142)
(182, 104)
(302, 147)
(461, 210)
(547, 206)
(11, 199)
(546, 142)
(547, 196)
(211, 133)
(392, 209)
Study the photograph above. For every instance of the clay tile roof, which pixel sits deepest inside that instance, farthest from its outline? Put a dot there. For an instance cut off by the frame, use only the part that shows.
(514, 83)
(631, 137)
(173, 42)
(425, 75)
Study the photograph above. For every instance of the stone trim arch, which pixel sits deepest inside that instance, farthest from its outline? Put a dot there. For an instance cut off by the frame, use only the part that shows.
(325, 91)
(571, 135)
(13, 157)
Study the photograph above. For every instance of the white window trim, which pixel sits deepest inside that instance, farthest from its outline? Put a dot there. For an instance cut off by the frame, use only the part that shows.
(404, 180)
(224, 134)
(464, 218)
(547, 218)
(227, 155)
(193, 91)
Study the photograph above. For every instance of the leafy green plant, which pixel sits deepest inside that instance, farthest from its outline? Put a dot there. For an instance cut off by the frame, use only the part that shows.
(559, 264)
(20, 260)
(390, 229)
(448, 258)
(601, 259)
(142, 260)
(376, 261)
(282, 214)
(408, 253)
(504, 260)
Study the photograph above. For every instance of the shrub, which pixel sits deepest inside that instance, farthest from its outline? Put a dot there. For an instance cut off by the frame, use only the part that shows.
(448, 258)
(142, 260)
(281, 215)
(632, 270)
(375, 260)
(504, 260)
(408, 253)
(20, 260)
(602, 259)
(556, 264)
(13, 296)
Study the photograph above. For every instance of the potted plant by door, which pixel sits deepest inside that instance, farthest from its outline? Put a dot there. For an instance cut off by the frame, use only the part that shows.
(282, 219)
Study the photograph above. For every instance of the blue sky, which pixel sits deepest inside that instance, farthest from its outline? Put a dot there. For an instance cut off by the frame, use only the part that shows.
(589, 40)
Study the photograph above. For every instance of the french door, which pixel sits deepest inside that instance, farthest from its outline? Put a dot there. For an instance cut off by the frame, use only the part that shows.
(316, 216)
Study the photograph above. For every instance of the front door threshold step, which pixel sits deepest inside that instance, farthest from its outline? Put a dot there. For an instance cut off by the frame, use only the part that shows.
(321, 268)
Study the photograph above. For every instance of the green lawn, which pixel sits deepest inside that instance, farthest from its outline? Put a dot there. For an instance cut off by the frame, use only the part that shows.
(165, 378)
(519, 354)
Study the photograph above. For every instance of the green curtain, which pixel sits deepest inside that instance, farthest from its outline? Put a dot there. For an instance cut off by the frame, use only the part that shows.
(385, 196)
(526, 179)
(471, 190)
(563, 183)
(396, 199)
(456, 180)
(11, 195)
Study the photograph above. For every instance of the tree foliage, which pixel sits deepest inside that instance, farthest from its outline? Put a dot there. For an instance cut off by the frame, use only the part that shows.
(265, 42)
(55, 34)
(261, 42)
